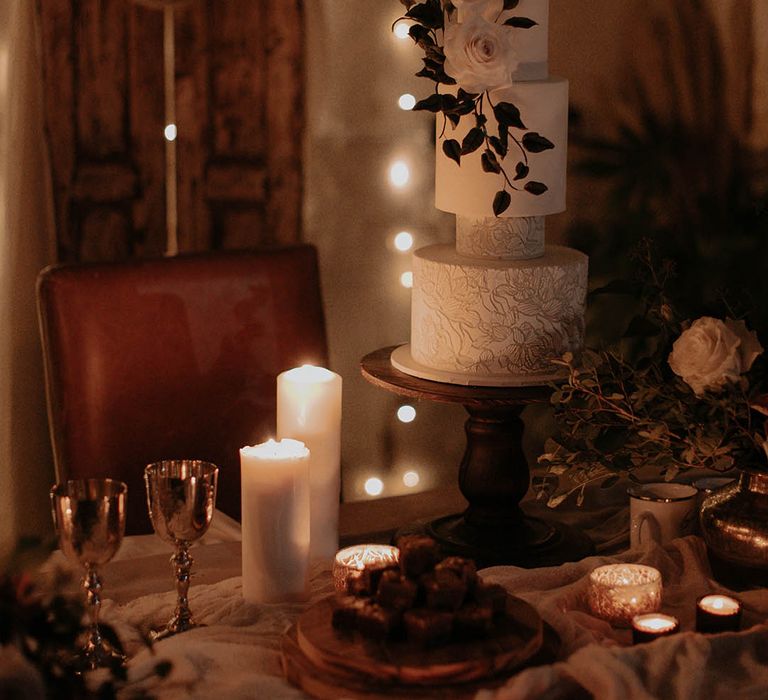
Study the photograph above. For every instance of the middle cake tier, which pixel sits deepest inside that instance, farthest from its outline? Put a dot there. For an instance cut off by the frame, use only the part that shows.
(469, 190)
(497, 318)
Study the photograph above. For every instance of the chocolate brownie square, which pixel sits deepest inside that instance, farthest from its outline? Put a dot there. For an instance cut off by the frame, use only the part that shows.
(418, 555)
(472, 621)
(444, 590)
(491, 596)
(396, 591)
(365, 581)
(465, 569)
(428, 627)
(376, 622)
(345, 609)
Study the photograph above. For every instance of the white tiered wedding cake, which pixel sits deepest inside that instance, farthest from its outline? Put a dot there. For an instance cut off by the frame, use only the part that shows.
(498, 306)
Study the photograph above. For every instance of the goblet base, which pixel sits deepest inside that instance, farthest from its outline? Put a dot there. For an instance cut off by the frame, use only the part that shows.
(174, 627)
(95, 655)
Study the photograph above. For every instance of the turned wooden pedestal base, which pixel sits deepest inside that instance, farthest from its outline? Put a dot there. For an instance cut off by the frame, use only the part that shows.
(493, 475)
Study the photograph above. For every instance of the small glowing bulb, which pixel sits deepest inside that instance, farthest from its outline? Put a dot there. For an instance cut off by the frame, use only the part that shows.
(411, 479)
(401, 29)
(406, 279)
(406, 414)
(399, 174)
(403, 241)
(406, 101)
(170, 132)
(374, 486)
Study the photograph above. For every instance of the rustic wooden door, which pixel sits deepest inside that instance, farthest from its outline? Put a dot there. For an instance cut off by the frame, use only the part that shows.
(239, 114)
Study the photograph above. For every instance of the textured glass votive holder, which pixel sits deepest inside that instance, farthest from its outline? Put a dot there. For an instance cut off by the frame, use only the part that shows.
(618, 592)
(359, 557)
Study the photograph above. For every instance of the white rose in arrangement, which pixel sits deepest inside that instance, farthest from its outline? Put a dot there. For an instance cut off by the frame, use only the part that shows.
(711, 353)
(479, 55)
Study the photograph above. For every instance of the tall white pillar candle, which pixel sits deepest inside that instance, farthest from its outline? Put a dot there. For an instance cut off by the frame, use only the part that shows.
(275, 521)
(309, 409)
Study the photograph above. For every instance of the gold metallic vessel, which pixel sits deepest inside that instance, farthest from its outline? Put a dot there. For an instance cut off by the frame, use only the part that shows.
(734, 524)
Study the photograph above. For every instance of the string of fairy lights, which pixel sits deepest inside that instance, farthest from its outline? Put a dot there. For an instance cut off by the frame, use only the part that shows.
(399, 173)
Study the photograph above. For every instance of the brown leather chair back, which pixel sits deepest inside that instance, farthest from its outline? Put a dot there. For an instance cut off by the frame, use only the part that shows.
(173, 358)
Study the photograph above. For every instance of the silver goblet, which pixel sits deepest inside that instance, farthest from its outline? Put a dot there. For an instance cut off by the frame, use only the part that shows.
(181, 496)
(89, 515)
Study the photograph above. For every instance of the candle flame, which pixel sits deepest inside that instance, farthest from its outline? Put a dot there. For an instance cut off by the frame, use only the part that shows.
(271, 449)
(309, 374)
(655, 623)
(719, 604)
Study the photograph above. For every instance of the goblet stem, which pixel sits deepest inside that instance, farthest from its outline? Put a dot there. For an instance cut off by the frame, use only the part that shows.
(92, 586)
(97, 652)
(181, 562)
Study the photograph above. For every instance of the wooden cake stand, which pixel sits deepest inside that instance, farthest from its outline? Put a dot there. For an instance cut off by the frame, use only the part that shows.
(493, 474)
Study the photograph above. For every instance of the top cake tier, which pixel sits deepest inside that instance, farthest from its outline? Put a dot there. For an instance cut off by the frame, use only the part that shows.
(516, 167)
(531, 45)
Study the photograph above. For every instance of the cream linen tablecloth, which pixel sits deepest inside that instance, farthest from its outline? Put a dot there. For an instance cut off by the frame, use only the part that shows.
(238, 654)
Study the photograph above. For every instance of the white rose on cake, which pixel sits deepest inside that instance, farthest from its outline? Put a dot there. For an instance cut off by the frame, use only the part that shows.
(712, 353)
(479, 55)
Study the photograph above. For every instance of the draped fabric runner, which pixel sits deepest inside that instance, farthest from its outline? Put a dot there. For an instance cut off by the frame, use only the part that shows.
(686, 666)
(238, 654)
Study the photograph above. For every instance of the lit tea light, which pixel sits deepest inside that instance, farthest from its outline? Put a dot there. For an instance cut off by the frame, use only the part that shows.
(718, 613)
(619, 592)
(360, 557)
(646, 628)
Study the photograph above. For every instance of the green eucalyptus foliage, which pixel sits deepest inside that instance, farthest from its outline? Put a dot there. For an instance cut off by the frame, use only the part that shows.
(623, 408)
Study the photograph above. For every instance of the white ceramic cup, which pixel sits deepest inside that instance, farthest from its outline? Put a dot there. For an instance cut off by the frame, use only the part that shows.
(660, 512)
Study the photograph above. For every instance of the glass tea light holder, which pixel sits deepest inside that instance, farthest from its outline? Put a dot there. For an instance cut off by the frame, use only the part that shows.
(651, 626)
(618, 592)
(351, 560)
(718, 613)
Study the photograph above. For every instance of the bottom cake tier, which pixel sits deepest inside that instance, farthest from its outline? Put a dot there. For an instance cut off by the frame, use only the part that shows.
(496, 318)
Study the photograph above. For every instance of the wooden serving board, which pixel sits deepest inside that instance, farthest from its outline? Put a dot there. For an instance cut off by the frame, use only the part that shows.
(515, 639)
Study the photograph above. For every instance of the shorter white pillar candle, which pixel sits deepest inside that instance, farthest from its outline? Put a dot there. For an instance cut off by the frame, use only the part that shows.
(275, 521)
(309, 409)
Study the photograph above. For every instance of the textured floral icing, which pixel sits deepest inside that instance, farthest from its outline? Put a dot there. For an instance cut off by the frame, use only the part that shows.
(499, 238)
(497, 317)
